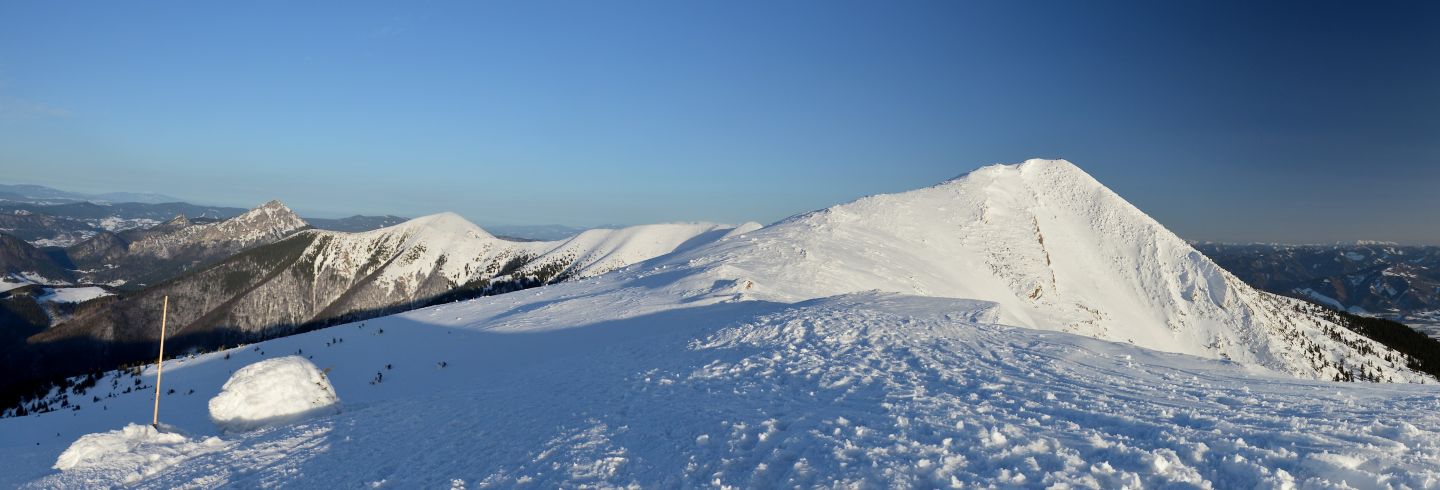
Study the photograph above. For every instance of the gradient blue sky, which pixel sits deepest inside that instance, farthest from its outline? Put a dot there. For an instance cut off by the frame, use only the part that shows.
(1243, 121)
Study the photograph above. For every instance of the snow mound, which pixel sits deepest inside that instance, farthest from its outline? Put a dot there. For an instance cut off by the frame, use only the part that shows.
(271, 392)
(130, 454)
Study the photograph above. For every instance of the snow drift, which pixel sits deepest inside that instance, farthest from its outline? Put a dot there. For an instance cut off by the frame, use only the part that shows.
(129, 454)
(271, 392)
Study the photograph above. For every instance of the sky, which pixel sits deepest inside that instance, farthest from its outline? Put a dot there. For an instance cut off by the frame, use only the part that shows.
(1229, 121)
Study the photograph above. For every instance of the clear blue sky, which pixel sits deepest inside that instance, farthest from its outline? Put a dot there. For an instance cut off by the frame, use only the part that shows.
(1237, 121)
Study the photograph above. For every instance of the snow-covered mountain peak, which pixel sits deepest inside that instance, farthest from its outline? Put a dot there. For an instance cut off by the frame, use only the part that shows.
(1048, 243)
(446, 224)
(270, 221)
(272, 213)
(443, 244)
(264, 224)
(1031, 167)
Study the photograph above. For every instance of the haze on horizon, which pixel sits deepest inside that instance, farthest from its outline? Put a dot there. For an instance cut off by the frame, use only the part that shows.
(1226, 121)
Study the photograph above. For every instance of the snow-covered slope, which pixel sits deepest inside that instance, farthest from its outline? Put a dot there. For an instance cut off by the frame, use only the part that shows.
(315, 277)
(402, 259)
(601, 250)
(1049, 244)
(1055, 248)
(449, 252)
(565, 386)
(23, 263)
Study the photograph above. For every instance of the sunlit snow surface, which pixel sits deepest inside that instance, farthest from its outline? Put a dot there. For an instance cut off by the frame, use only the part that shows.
(273, 392)
(876, 388)
(764, 359)
(127, 455)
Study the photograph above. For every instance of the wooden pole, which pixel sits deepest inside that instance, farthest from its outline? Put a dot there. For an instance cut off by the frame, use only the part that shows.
(160, 363)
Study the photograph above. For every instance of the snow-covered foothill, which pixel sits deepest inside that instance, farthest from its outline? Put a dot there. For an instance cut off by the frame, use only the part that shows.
(273, 391)
(11, 282)
(21, 279)
(127, 455)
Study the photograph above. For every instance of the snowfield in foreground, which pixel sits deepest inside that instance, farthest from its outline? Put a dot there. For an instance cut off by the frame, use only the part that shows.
(865, 388)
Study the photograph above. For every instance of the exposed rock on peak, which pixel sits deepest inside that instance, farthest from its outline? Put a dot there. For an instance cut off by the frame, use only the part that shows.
(180, 244)
(178, 221)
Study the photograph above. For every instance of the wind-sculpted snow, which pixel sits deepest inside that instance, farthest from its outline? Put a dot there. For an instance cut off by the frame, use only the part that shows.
(868, 389)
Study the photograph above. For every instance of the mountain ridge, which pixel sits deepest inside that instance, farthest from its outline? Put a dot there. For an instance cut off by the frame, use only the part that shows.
(315, 278)
(1054, 247)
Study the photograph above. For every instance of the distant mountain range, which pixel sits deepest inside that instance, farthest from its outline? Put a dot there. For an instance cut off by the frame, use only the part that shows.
(1382, 279)
(267, 272)
(355, 223)
(48, 217)
(63, 225)
(39, 194)
(314, 278)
